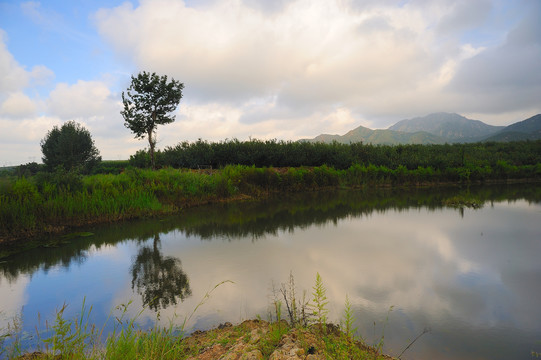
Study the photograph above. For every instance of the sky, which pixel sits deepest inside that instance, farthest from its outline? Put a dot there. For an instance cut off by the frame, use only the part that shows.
(260, 69)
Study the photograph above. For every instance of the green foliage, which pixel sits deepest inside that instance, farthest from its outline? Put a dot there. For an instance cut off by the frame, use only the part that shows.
(27, 170)
(111, 167)
(319, 303)
(269, 343)
(141, 159)
(473, 158)
(70, 339)
(148, 103)
(71, 147)
(348, 320)
(31, 206)
(60, 180)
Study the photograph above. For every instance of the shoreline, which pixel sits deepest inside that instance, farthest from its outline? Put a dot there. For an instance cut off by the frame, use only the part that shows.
(145, 194)
(251, 339)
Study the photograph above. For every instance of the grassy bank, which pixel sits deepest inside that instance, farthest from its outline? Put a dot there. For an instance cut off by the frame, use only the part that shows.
(252, 339)
(307, 335)
(52, 203)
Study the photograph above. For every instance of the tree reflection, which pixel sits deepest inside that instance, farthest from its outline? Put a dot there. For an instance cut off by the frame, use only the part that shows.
(159, 280)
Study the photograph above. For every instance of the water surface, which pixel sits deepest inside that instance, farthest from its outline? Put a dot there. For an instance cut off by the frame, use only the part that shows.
(470, 276)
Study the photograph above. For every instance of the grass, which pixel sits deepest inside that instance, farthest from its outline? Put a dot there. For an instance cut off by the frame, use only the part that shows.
(78, 339)
(57, 202)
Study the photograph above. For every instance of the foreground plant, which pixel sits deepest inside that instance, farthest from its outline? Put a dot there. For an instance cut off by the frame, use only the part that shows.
(320, 302)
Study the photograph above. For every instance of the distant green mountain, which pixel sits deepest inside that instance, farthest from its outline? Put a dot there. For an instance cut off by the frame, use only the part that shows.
(438, 128)
(386, 137)
(451, 127)
(529, 129)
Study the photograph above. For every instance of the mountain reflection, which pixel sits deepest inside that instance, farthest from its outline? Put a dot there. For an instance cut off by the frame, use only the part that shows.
(159, 280)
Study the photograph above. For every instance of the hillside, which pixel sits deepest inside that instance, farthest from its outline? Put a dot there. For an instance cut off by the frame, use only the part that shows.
(451, 127)
(438, 128)
(529, 129)
(379, 136)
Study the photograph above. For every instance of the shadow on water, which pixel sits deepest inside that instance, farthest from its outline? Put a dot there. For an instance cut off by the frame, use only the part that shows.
(211, 240)
(159, 279)
(254, 219)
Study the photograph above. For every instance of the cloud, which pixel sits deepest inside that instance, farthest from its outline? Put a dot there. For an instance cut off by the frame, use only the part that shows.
(25, 119)
(82, 99)
(311, 53)
(464, 14)
(291, 69)
(13, 77)
(310, 57)
(13, 297)
(507, 77)
(17, 105)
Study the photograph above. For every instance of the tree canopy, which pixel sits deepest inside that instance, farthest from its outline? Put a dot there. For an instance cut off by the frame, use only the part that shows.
(70, 146)
(149, 102)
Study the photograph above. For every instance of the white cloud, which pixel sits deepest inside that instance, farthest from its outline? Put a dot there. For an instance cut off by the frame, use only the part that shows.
(311, 53)
(82, 99)
(308, 57)
(291, 69)
(506, 78)
(464, 14)
(17, 105)
(13, 298)
(13, 77)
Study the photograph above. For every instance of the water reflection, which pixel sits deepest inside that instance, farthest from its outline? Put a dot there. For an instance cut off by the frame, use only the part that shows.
(159, 279)
(473, 277)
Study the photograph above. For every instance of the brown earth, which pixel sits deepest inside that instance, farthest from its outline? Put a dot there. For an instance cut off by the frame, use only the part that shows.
(258, 339)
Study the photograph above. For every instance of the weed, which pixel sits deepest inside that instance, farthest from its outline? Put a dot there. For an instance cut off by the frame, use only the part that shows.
(319, 305)
(348, 320)
(296, 308)
(203, 301)
(10, 338)
(71, 338)
(379, 345)
(268, 344)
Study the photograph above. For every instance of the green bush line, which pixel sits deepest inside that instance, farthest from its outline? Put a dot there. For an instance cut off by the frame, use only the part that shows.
(50, 202)
(273, 153)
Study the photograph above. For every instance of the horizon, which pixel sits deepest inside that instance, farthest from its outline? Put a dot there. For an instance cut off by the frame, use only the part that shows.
(254, 69)
(322, 134)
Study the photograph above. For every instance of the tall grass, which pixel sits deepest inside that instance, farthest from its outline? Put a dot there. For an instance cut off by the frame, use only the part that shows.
(51, 202)
(77, 338)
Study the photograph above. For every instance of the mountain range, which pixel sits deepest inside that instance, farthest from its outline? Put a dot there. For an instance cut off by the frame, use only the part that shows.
(439, 128)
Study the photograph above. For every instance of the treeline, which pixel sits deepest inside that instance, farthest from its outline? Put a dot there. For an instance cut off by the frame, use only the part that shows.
(273, 153)
(37, 202)
(33, 168)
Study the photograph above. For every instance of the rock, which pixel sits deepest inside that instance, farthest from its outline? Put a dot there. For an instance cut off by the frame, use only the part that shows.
(252, 355)
(210, 353)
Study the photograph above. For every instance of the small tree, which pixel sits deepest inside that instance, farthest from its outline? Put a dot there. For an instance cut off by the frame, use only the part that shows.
(70, 146)
(148, 102)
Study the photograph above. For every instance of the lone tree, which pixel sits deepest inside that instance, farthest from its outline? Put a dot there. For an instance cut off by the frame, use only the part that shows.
(70, 146)
(148, 103)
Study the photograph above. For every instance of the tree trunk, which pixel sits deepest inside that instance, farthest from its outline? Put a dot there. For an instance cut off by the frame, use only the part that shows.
(152, 143)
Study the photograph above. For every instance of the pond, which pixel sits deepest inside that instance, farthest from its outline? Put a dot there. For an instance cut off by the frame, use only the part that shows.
(471, 277)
